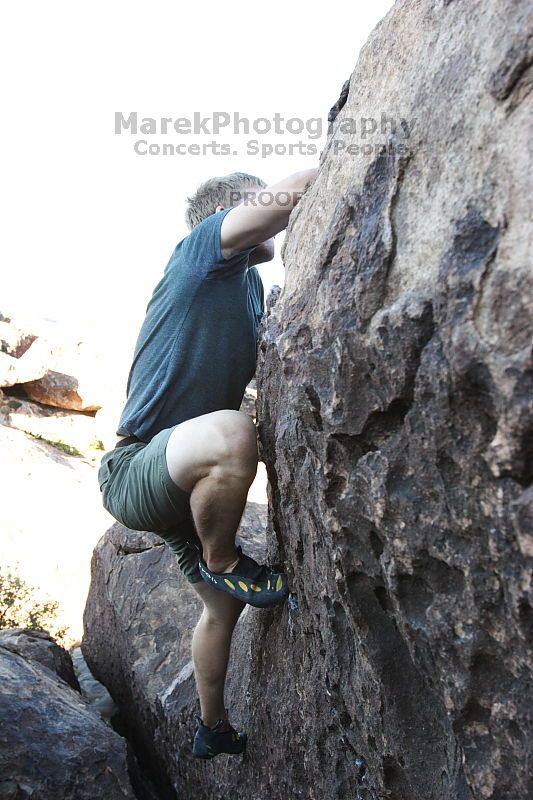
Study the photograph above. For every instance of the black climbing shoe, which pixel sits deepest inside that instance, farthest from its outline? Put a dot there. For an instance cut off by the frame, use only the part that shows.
(209, 742)
(250, 582)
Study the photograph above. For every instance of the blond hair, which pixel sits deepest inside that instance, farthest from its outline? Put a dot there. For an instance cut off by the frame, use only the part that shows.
(225, 191)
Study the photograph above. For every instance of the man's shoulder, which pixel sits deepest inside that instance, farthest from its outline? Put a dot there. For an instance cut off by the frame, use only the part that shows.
(201, 247)
(205, 230)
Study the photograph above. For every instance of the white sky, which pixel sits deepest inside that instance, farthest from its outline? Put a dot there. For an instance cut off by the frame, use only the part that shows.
(86, 221)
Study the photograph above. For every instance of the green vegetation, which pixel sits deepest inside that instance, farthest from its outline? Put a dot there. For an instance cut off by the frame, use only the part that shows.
(19, 607)
(59, 443)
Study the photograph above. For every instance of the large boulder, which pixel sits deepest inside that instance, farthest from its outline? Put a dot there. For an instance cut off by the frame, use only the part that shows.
(52, 745)
(138, 625)
(395, 415)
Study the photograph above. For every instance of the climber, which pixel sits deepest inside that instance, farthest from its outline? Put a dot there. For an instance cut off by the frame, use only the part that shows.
(187, 455)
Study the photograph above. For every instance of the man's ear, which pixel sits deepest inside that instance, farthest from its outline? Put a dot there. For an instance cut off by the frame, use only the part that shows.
(219, 208)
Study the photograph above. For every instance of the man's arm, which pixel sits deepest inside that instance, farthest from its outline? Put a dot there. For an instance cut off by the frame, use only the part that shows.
(263, 214)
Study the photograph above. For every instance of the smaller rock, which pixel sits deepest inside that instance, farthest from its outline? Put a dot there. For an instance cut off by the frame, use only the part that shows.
(41, 647)
(52, 745)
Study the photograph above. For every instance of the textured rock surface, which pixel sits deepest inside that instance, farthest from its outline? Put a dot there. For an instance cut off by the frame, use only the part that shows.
(395, 414)
(138, 624)
(52, 745)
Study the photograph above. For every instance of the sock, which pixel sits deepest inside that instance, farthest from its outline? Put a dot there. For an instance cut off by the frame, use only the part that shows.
(224, 728)
(227, 572)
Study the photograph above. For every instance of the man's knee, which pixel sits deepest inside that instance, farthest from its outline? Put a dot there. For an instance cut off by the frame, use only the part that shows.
(238, 442)
(224, 441)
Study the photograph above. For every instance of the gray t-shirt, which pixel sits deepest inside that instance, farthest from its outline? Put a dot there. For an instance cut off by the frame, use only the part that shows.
(197, 347)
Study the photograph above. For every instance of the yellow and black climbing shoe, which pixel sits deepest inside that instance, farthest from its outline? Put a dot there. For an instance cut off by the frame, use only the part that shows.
(251, 582)
(221, 738)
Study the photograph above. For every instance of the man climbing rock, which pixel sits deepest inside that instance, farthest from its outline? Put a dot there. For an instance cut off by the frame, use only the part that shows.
(186, 455)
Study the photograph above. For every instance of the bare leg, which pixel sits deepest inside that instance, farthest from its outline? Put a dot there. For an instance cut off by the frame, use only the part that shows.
(217, 504)
(214, 457)
(211, 645)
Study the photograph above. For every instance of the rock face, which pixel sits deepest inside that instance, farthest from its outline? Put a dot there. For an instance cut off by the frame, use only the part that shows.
(51, 744)
(395, 415)
(395, 419)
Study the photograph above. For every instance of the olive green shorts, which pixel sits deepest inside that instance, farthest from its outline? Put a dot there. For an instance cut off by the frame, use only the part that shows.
(138, 491)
